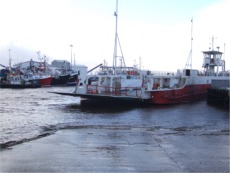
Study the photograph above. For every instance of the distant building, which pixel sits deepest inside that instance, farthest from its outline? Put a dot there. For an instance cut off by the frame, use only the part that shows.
(56, 67)
(28, 64)
(77, 68)
(62, 64)
(32, 66)
(81, 70)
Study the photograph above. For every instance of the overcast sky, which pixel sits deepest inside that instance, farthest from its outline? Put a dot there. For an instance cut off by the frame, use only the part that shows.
(158, 31)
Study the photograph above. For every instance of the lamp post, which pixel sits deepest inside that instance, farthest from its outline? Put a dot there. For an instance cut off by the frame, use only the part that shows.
(71, 46)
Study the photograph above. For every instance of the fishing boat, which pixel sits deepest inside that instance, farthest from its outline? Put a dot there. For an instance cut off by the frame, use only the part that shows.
(14, 78)
(43, 72)
(35, 71)
(130, 84)
(45, 79)
(60, 72)
(61, 79)
(19, 81)
(73, 78)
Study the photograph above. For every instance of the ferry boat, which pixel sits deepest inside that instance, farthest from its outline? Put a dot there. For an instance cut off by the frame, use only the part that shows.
(132, 84)
(121, 83)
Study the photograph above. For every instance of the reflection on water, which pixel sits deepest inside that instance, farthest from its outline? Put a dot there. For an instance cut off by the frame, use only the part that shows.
(28, 113)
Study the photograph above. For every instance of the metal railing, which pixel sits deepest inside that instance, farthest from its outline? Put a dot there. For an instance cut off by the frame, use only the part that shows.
(114, 91)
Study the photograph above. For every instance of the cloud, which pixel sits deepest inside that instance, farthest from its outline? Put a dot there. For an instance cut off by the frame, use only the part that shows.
(167, 45)
(212, 22)
(162, 43)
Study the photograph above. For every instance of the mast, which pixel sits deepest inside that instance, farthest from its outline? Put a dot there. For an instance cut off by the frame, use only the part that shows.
(9, 59)
(223, 66)
(191, 43)
(189, 60)
(71, 47)
(115, 44)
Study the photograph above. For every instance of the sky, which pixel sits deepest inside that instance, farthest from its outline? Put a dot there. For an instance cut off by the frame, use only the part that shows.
(154, 34)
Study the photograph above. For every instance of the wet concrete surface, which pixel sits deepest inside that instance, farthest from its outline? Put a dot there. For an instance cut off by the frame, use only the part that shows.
(121, 149)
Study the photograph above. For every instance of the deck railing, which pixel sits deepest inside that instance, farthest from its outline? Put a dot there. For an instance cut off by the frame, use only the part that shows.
(114, 91)
(163, 73)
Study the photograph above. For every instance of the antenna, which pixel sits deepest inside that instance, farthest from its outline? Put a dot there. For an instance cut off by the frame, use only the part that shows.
(213, 42)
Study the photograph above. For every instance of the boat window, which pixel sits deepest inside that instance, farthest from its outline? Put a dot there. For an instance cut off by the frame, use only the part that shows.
(187, 72)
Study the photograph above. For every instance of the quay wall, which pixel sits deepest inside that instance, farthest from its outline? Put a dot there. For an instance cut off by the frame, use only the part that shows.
(219, 93)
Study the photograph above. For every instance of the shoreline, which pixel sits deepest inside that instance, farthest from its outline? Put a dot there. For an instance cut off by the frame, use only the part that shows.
(120, 149)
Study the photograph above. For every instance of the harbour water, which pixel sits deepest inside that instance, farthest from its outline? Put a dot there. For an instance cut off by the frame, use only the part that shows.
(29, 114)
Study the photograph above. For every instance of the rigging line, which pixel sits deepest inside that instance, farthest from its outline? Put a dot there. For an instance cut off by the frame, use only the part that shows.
(121, 51)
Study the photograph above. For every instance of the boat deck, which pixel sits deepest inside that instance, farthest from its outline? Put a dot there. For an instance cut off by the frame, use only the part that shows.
(105, 96)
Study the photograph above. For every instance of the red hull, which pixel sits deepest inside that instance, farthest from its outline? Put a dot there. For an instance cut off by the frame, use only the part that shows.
(186, 94)
(46, 81)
